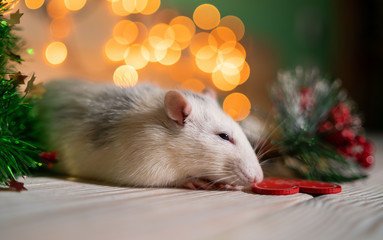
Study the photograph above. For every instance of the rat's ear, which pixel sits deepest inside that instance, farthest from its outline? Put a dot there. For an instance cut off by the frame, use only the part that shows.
(177, 106)
(210, 93)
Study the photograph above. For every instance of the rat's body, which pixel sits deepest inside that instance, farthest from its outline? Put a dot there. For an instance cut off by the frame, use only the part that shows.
(144, 136)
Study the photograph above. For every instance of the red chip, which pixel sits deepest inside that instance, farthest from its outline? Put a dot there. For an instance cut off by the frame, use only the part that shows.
(277, 186)
(315, 187)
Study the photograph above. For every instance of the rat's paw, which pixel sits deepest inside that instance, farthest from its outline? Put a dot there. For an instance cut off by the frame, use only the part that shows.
(201, 184)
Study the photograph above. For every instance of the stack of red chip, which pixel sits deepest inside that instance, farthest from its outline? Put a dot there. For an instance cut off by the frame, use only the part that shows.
(278, 186)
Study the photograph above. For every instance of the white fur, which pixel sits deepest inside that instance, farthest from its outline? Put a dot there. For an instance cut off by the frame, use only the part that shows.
(140, 145)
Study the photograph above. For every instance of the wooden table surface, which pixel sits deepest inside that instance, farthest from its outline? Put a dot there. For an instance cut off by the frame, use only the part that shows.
(54, 208)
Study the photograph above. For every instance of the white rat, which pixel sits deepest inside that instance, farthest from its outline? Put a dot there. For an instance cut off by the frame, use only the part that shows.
(145, 136)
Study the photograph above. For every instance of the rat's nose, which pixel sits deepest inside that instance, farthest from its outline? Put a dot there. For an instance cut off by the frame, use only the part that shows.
(258, 178)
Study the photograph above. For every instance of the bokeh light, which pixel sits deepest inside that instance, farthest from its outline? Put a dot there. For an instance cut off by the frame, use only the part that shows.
(198, 41)
(235, 24)
(125, 76)
(237, 105)
(184, 30)
(206, 58)
(125, 32)
(245, 73)
(118, 8)
(161, 36)
(150, 54)
(222, 35)
(56, 9)
(168, 56)
(151, 7)
(34, 4)
(226, 77)
(134, 56)
(114, 50)
(206, 16)
(56, 53)
(187, 55)
(74, 5)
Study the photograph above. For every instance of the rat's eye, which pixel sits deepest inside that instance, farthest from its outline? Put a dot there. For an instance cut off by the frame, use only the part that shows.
(224, 136)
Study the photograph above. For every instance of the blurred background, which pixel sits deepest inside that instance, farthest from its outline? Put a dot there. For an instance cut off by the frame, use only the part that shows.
(235, 47)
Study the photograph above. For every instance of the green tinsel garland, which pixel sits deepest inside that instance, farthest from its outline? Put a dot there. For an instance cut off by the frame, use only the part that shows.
(18, 149)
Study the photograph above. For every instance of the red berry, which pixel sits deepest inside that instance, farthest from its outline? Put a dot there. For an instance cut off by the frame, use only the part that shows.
(346, 136)
(366, 159)
(341, 113)
(361, 139)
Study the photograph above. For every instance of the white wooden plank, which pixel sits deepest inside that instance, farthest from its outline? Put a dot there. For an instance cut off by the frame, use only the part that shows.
(60, 209)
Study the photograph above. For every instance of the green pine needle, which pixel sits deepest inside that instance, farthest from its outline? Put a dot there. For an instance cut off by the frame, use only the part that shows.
(18, 149)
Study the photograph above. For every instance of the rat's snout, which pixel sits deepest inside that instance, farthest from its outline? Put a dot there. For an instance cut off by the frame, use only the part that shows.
(259, 177)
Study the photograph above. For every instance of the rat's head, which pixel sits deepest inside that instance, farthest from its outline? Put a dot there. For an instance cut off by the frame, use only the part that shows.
(208, 143)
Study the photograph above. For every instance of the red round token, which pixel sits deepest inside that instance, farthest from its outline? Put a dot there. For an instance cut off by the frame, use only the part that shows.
(315, 187)
(275, 186)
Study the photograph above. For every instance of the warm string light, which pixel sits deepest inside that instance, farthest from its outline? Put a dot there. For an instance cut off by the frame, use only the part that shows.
(207, 42)
(34, 4)
(56, 53)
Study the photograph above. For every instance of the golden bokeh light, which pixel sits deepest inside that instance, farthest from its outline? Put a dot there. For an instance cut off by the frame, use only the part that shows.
(114, 50)
(74, 5)
(187, 22)
(206, 16)
(233, 57)
(34, 4)
(198, 41)
(168, 56)
(134, 56)
(230, 73)
(235, 24)
(125, 76)
(220, 79)
(182, 35)
(161, 36)
(184, 30)
(140, 5)
(134, 6)
(245, 73)
(56, 9)
(206, 58)
(60, 27)
(125, 32)
(222, 35)
(118, 8)
(150, 54)
(193, 84)
(151, 7)
(237, 105)
(56, 53)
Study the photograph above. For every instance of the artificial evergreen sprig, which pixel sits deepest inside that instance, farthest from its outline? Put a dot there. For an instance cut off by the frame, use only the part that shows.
(311, 139)
(18, 149)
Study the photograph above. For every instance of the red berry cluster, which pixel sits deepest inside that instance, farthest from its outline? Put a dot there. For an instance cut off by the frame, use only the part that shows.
(340, 129)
